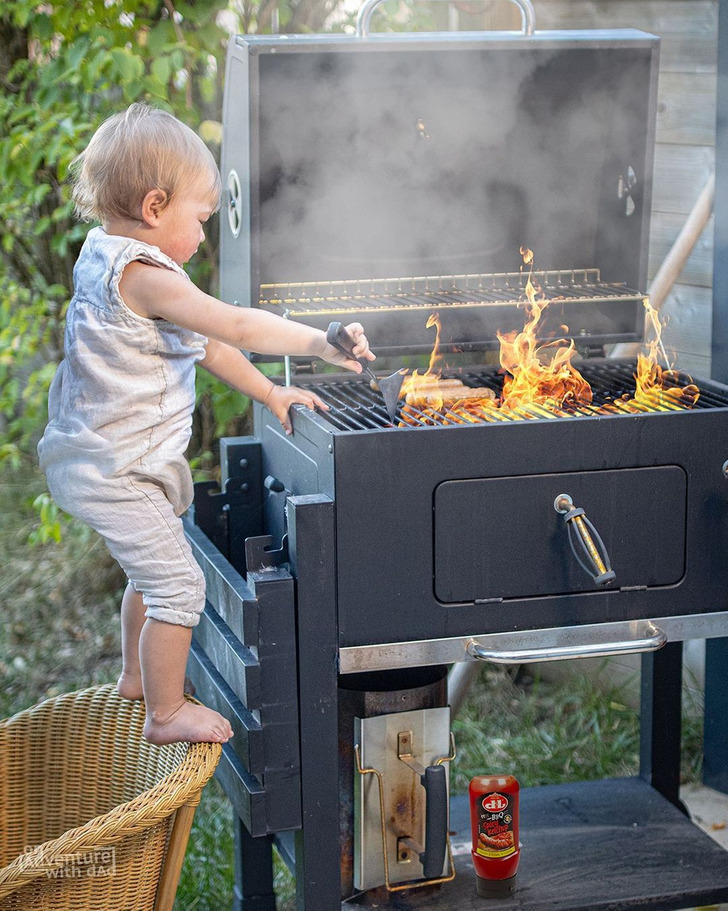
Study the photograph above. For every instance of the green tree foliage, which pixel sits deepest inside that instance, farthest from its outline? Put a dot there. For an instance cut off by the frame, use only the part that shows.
(64, 67)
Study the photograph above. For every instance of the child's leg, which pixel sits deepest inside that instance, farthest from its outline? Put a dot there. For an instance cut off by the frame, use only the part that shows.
(163, 649)
(132, 620)
(145, 535)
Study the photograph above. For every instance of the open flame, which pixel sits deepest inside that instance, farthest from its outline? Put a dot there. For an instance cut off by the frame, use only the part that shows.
(540, 378)
(539, 373)
(655, 386)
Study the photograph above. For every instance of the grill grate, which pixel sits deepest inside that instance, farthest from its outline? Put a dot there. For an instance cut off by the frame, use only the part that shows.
(426, 292)
(355, 406)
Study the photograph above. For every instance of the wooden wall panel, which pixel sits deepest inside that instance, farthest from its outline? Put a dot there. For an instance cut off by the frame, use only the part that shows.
(680, 174)
(699, 267)
(686, 108)
(688, 328)
(667, 18)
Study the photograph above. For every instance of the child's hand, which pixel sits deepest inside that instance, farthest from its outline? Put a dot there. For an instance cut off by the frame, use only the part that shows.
(280, 399)
(360, 350)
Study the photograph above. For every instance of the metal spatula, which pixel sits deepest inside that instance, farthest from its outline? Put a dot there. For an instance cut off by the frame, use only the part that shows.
(389, 386)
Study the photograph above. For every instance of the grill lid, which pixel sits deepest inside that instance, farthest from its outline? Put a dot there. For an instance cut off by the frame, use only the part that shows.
(353, 160)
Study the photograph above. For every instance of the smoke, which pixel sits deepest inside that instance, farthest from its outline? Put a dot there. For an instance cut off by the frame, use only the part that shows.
(409, 158)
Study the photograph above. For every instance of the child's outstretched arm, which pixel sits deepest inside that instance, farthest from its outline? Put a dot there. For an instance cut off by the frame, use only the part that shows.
(232, 367)
(157, 293)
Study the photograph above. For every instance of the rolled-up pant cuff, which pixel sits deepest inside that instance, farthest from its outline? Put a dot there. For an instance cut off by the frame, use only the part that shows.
(170, 615)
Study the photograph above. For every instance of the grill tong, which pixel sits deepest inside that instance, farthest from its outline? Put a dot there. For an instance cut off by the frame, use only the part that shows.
(389, 386)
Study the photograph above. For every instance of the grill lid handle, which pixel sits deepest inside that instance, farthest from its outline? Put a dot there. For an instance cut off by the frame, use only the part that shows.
(367, 8)
(650, 643)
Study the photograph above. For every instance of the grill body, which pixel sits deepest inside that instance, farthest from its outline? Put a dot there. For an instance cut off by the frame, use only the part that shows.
(451, 531)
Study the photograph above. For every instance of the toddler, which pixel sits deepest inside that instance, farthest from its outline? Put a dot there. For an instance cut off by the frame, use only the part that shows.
(121, 402)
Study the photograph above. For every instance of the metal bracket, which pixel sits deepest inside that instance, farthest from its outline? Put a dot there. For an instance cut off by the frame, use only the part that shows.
(404, 752)
(261, 556)
(233, 512)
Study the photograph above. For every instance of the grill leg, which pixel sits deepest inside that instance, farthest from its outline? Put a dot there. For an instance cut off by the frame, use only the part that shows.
(253, 871)
(715, 746)
(661, 721)
(312, 558)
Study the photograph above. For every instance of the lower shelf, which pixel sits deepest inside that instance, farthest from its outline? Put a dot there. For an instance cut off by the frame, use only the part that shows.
(588, 846)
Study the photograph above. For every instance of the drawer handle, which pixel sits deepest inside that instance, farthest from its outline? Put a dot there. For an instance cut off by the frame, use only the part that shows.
(593, 557)
(650, 643)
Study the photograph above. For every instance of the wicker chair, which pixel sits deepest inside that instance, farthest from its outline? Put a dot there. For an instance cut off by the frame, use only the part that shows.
(92, 817)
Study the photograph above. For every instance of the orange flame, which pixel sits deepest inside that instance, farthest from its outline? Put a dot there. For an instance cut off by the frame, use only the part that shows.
(659, 388)
(539, 373)
(541, 380)
(428, 389)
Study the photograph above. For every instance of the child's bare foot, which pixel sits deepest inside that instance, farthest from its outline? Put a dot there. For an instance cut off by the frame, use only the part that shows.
(129, 686)
(188, 723)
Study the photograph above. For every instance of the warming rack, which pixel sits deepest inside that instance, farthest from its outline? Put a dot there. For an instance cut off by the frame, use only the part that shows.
(426, 292)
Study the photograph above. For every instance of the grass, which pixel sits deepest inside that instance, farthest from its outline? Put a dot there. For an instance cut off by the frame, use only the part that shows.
(59, 603)
(547, 732)
(60, 632)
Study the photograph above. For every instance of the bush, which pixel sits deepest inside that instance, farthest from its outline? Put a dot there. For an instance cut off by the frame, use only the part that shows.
(64, 67)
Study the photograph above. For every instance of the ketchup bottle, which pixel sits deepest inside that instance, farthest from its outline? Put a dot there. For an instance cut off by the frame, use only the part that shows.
(494, 824)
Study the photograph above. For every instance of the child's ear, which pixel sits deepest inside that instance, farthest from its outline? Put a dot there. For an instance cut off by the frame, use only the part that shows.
(153, 205)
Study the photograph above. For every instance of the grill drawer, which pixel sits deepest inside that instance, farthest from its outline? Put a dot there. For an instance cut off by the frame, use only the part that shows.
(499, 538)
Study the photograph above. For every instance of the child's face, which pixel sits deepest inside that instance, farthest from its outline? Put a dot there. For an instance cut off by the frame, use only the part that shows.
(179, 231)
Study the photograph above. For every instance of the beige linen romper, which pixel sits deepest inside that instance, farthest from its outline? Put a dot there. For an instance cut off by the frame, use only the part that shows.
(120, 419)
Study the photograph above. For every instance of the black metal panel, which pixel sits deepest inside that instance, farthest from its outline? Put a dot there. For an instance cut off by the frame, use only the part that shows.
(719, 337)
(235, 662)
(233, 512)
(240, 464)
(226, 588)
(498, 538)
(213, 690)
(661, 721)
(253, 871)
(313, 561)
(715, 736)
(261, 768)
(279, 682)
(243, 790)
(243, 663)
(302, 463)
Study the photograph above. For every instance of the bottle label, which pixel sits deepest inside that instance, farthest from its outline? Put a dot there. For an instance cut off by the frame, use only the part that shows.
(496, 837)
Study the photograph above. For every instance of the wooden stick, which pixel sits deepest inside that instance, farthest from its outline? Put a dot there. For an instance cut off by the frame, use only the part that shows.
(674, 262)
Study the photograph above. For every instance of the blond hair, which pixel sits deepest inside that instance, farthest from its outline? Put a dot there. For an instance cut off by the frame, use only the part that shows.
(133, 152)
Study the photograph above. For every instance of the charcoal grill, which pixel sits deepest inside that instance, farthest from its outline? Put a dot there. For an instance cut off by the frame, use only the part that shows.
(359, 546)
